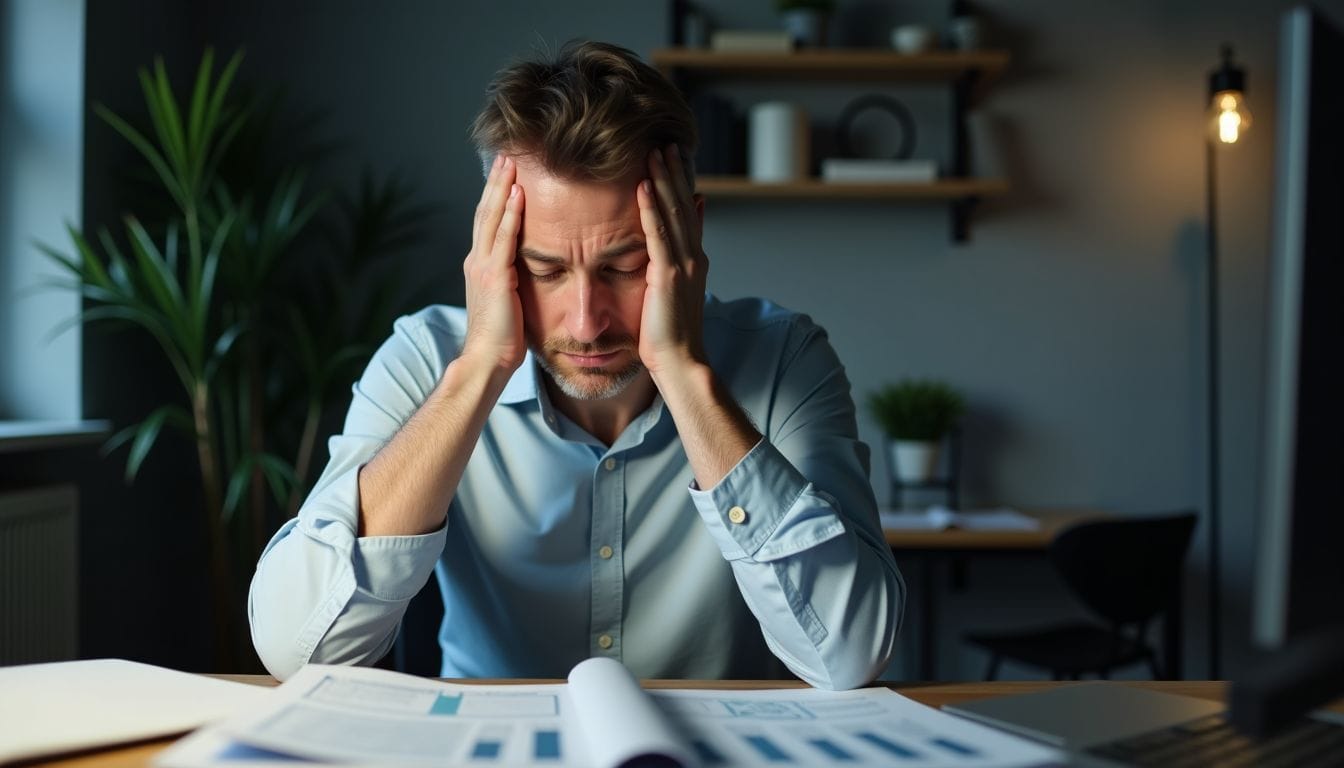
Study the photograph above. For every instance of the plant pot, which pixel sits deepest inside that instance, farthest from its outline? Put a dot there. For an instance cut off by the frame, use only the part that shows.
(914, 461)
(806, 26)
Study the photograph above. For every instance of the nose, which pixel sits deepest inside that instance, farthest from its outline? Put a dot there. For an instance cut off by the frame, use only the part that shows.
(589, 310)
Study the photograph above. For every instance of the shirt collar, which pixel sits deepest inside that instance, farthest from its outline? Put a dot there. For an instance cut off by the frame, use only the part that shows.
(522, 386)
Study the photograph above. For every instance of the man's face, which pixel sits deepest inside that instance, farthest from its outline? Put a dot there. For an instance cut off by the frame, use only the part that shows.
(581, 262)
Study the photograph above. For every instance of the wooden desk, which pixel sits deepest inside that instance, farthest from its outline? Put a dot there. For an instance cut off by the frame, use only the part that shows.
(956, 545)
(931, 694)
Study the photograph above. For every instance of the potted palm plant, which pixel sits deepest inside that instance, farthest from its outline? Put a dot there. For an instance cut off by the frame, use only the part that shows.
(262, 334)
(916, 415)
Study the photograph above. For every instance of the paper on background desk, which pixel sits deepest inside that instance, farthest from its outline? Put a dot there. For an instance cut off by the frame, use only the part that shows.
(65, 706)
(938, 518)
(600, 719)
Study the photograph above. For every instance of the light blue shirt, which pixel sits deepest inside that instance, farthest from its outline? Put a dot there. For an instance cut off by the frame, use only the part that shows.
(557, 548)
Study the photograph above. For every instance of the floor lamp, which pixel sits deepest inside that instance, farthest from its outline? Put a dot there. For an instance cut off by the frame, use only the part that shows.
(1228, 121)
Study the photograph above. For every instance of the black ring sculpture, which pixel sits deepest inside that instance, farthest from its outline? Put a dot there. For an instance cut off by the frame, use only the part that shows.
(885, 104)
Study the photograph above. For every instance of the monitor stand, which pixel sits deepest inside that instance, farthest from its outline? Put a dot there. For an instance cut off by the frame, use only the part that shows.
(1288, 683)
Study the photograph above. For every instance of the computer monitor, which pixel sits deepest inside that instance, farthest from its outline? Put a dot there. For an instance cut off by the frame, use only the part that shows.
(1298, 603)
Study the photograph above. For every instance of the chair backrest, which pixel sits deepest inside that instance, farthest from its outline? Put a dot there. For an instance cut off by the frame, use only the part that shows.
(1125, 569)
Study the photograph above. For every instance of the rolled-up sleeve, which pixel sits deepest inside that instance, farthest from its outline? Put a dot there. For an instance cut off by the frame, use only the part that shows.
(797, 520)
(321, 593)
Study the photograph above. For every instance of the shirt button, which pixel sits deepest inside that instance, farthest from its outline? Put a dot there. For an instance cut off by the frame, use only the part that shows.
(605, 552)
(610, 464)
(604, 641)
(737, 515)
(550, 419)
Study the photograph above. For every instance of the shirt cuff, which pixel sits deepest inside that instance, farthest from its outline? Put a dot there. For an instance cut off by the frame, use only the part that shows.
(764, 509)
(395, 567)
(386, 567)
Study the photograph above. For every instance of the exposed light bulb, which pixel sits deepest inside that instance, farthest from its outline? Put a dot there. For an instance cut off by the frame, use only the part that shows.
(1230, 118)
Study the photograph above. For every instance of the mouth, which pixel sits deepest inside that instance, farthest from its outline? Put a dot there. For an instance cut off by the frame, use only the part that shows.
(591, 360)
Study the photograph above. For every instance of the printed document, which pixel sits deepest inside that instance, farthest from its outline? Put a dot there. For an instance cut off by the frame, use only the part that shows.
(64, 706)
(600, 718)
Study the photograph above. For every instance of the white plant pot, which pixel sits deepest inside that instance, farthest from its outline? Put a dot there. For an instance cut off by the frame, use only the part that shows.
(914, 461)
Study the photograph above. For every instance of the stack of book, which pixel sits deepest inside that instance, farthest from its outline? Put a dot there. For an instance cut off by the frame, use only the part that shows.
(722, 134)
(751, 41)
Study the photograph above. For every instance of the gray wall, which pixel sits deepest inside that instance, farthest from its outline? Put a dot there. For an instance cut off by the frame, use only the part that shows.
(41, 142)
(1073, 319)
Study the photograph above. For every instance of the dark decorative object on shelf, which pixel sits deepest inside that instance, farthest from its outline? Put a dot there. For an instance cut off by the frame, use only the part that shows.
(865, 105)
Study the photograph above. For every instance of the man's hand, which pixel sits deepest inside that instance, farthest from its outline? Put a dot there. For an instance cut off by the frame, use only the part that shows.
(671, 328)
(494, 314)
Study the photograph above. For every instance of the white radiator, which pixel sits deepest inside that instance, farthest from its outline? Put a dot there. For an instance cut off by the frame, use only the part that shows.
(39, 575)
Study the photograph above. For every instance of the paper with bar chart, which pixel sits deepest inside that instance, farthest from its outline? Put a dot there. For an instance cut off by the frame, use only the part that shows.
(872, 726)
(600, 718)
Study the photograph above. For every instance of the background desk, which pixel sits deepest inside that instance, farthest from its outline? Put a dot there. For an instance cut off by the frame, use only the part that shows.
(931, 694)
(955, 546)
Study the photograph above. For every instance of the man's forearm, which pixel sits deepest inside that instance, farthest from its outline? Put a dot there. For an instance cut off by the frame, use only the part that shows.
(406, 488)
(714, 431)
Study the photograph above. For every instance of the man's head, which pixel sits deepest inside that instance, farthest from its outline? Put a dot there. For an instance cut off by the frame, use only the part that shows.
(591, 113)
(580, 128)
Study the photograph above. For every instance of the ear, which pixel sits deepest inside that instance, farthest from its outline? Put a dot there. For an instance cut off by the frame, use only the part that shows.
(699, 200)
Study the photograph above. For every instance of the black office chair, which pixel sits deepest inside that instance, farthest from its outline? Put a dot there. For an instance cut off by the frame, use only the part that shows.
(1125, 570)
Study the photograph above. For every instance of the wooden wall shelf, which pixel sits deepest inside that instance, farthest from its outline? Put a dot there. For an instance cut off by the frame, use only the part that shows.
(969, 74)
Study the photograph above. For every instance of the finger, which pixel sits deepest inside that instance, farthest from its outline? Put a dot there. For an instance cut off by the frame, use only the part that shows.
(493, 199)
(655, 233)
(676, 168)
(670, 207)
(490, 177)
(505, 246)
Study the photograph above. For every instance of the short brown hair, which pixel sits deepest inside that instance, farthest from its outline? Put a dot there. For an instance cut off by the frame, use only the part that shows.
(592, 112)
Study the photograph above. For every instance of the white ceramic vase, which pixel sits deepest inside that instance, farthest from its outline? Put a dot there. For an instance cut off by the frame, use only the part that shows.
(914, 461)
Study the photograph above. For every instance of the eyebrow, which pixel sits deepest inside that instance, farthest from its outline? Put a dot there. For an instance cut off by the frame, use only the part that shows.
(610, 254)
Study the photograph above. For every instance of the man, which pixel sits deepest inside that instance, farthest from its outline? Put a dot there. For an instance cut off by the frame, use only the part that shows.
(595, 456)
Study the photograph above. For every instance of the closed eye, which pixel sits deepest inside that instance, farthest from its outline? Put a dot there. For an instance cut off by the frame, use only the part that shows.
(627, 274)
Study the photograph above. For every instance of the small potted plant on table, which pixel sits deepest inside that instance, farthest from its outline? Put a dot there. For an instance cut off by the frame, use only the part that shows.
(916, 415)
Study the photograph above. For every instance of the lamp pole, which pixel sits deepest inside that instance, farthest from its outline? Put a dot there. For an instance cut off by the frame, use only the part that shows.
(1211, 273)
(1228, 120)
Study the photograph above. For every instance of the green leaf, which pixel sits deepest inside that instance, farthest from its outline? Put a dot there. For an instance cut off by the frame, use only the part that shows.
(280, 475)
(196, 116)
(119, 439)
(238, 480)
(172, 153)
(145, 434)
(120, 271)
(144, 440)
(222, 346)
(172, 121)
(147, 150)
(161, 281)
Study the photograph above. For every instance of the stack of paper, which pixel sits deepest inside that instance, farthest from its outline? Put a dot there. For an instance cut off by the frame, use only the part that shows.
(860, 170)
(937, 518)
(600, 718)
(47, 709)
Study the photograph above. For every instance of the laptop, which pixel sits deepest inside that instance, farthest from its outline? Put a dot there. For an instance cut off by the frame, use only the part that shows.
(1112, 724)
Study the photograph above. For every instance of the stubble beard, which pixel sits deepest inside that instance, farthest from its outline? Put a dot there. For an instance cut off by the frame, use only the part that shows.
(588, 383)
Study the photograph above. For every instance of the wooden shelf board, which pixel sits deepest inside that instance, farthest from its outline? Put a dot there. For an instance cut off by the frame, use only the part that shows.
(943, 189)
(841, 64)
